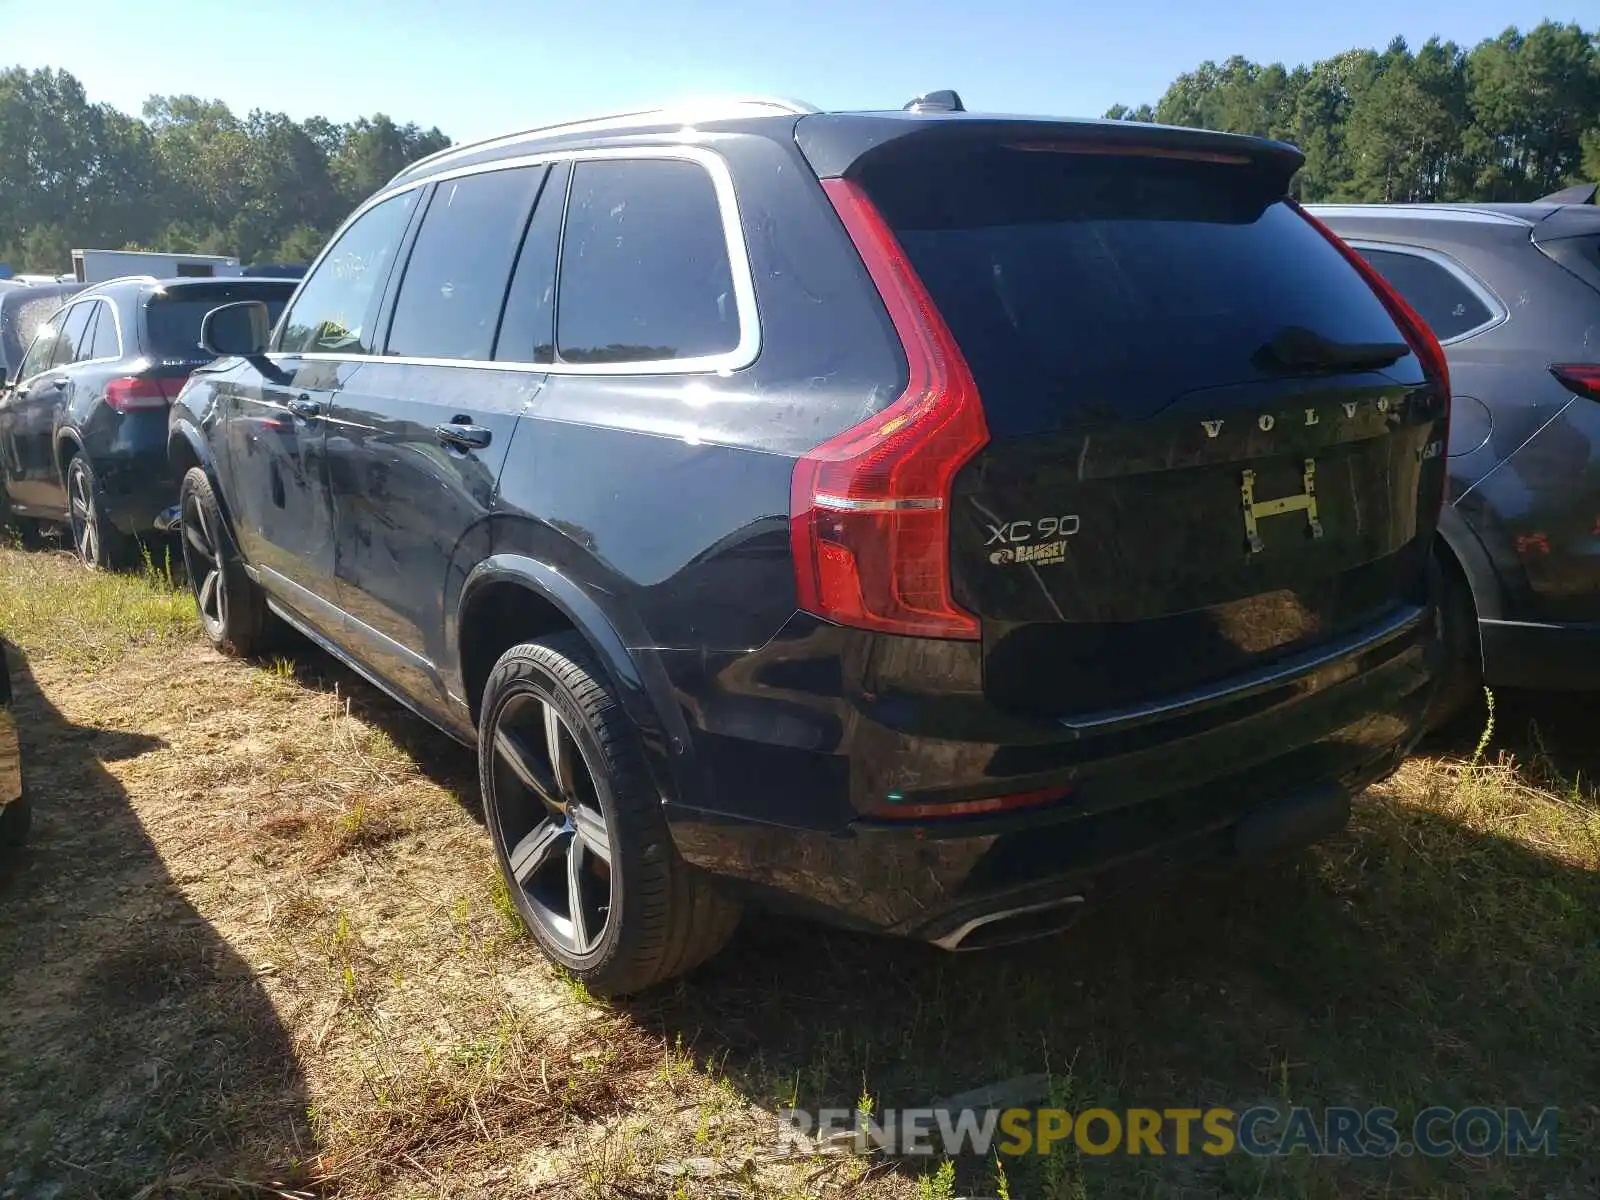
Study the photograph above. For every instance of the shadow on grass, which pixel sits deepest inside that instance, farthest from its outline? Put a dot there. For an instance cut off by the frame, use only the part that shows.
(1552, 733)
(1410, 962)
(440, 757)
(137, 1049)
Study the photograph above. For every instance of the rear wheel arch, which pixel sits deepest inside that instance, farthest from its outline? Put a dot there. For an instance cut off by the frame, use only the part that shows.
(532, 599)
(68, 446)
(1467, 555)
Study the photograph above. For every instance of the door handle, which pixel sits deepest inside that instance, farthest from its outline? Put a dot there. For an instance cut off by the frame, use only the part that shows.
(462, 434)
(305, 407)
(55, 385)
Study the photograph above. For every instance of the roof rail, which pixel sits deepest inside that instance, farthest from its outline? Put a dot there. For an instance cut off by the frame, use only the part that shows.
(122, 279)
(706, 108)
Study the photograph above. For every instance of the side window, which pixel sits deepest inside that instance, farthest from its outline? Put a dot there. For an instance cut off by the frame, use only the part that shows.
(1442, 299)
(644, 265)
(332, 312)
(86, 342)
(73, 328)
(42, 348)
(106, 343)
(455, 279)
(528, 328)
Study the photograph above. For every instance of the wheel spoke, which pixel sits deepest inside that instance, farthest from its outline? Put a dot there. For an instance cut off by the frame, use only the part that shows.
(575, 901)
(208, 594)
(534, 851)
(559, 744)
(591, 830)
(197, 543)
(91, 541)
(80, 508)
(517, 755)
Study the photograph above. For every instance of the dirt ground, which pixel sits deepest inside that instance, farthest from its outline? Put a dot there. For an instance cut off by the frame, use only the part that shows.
(258, 948)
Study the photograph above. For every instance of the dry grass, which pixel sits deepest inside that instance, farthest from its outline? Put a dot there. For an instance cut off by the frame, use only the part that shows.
(260, 949)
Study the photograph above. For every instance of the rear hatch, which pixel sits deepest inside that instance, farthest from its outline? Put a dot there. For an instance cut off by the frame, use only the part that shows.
(1210, 445)
(173, 315)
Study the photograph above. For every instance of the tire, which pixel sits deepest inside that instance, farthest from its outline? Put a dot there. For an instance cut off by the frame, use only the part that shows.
(99, 544)
(232, 607)
(1461, 676)
(661, 917)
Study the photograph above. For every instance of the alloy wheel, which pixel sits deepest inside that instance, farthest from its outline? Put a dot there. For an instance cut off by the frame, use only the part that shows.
(81, 514)
(202, 560)
(549, 820)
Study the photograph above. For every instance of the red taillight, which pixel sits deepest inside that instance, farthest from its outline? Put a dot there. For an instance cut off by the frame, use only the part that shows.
(988, 806)
(133, 393)
(1418, 336)
(869, 510)
(1583, 378)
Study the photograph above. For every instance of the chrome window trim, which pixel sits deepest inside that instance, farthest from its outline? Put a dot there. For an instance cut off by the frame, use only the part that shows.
(1498, 312)
(742, 355)
(116, 318)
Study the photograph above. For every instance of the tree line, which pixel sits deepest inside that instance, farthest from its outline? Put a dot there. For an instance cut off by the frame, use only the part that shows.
(1513, 118)
(188, 176)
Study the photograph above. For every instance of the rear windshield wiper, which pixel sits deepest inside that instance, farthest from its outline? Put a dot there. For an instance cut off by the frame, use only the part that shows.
(1296, 348)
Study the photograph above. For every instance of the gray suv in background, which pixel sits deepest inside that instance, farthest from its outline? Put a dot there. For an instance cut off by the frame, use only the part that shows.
(1513, 293)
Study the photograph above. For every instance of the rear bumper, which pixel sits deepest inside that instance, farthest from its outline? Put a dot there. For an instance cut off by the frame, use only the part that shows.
(787, 779)
(130, 461)
(1540, 656)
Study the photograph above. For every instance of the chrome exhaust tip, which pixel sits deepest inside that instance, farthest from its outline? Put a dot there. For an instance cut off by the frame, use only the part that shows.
(958, 937)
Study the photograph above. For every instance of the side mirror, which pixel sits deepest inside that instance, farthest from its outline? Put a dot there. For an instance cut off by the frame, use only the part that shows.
(241, 328)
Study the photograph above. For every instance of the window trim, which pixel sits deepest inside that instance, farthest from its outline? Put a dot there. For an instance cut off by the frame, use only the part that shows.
(1498, 312)
(744, 353)
(116, 320)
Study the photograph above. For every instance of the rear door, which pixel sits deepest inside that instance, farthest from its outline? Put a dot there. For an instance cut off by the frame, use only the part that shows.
(35, 409)
(276, 414)
(1210, 445)
(416, 439)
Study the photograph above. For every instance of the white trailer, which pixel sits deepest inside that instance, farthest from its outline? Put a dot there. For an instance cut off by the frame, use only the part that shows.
(97, 266)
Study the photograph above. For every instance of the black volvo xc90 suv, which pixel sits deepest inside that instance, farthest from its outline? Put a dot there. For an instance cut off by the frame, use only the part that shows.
(930, 521)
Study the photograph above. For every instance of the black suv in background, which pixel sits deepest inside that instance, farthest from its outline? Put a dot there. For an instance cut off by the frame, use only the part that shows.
(83, 418)
(929, 521)
(1513, 293)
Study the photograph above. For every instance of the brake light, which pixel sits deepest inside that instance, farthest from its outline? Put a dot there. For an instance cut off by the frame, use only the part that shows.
(134, 394)
(1583, 378)
(1417, 333)
(869, 510)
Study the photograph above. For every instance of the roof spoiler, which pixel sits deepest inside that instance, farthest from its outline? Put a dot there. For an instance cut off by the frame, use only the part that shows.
(1582, 193)
(838, 146)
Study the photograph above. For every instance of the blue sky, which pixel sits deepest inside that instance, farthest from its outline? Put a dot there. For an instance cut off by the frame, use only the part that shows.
(475, 68)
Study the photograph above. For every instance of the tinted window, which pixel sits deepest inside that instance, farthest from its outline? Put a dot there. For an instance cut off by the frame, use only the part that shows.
(105, 344)
(73, 328)
(1441, 299)
(1098, 287)
(22, 316)
(172, 320)
(527, 330)
(42, 349)
(335, 305)
(644, 265)
(455, 280)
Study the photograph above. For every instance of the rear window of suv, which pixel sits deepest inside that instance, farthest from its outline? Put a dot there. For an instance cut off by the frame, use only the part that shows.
(1092, 287)
(172, 319)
